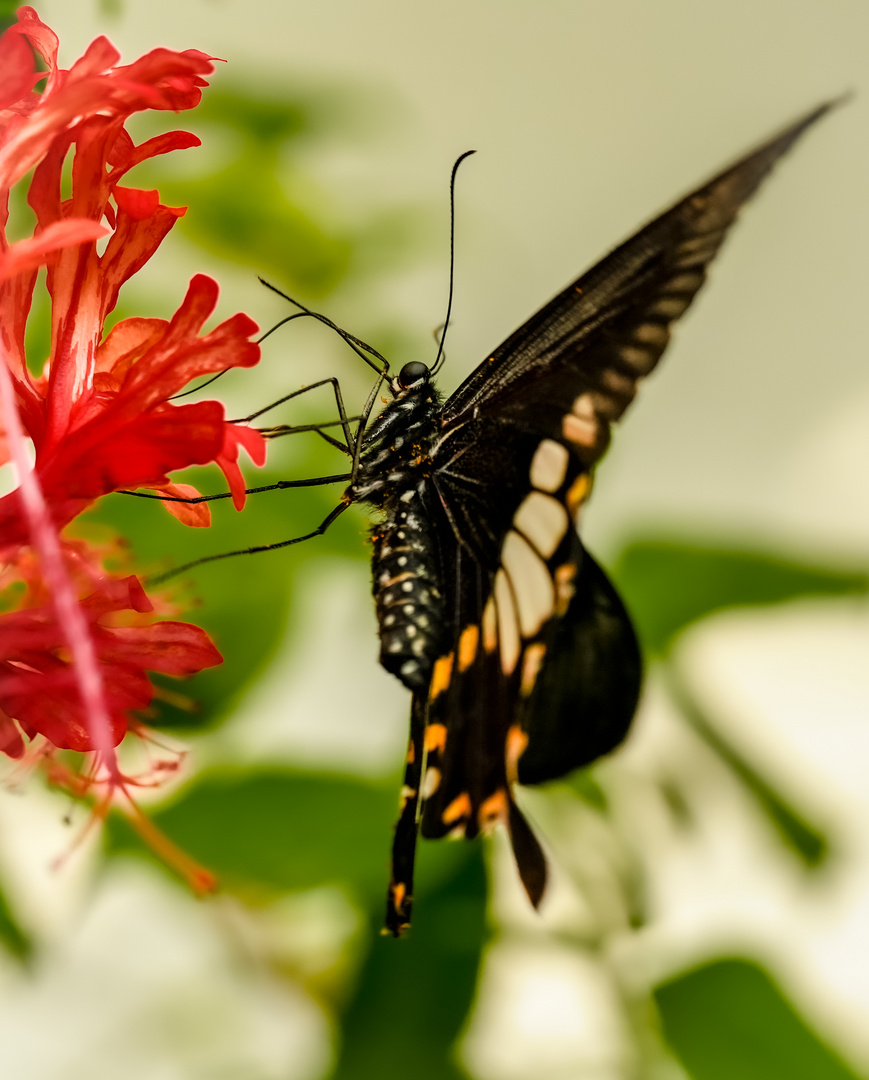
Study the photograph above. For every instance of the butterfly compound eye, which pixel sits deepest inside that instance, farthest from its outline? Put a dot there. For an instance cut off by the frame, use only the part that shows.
(411, 372)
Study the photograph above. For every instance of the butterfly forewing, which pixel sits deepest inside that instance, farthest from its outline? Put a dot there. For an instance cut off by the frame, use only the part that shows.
(609, 327)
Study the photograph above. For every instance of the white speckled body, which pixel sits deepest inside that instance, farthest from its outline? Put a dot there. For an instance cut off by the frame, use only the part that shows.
(394, 477)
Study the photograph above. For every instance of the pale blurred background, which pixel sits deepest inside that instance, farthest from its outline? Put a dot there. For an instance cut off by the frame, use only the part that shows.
(710, 910)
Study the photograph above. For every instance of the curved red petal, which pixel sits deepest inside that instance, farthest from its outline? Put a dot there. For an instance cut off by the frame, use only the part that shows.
(41, 37)
(172, 648)
(117, 450)
(235, 437)
(11, 743)
(196, 515)
(18, 72)
(127, 342)
(27, 254)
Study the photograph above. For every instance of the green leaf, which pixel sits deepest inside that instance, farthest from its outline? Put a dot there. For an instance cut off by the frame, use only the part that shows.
(413, 995)
(585, 784)
(728, 1019)
(273, 830)
(670, 583)
(14, 938)
(804, 838)
(267, 831)
(251, 211)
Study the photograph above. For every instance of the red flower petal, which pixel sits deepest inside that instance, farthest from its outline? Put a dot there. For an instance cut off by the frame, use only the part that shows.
(51, 706)
(27, 254)
(11, 743)
(184, 355)
(197, 515)
(117, 450)
(127, 343)
(173, 648)
(18, 73)
(236, 436)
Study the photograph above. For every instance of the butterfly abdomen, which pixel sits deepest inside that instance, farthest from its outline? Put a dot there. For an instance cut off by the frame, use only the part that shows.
(408, 600)
(393, 476)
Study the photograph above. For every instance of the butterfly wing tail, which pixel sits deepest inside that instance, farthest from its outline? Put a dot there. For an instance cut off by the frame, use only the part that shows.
(529, 856)
(399, 897)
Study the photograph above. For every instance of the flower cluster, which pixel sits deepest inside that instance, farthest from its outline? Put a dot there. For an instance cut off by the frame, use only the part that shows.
(76, 641)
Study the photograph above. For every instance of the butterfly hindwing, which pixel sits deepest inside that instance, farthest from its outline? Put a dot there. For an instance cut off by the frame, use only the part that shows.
(586, 690)
(542, 672)
(472, 725)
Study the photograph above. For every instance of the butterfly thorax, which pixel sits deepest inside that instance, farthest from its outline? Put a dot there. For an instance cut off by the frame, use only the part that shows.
(393, 476)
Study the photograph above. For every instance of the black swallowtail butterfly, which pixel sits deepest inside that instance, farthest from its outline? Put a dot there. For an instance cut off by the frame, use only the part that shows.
(519, 654)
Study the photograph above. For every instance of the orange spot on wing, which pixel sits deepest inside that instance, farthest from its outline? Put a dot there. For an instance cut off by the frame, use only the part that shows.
(459, 808)
(493, 810)
(514, 748)
(490, 626)
(468, 643)
(435, 737)
(564, 587)
(578, 493)
(531, 663)
(441, 675)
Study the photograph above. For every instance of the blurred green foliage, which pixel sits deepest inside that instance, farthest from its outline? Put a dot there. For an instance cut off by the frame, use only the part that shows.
(269, 831)
(729, 1018)
(249, 210)
(261, 204)
(15, 939)
(673, 582)
(803, 838)
(412, 998)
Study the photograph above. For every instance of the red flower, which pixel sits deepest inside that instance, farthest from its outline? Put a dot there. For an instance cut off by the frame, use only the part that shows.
(75, 652)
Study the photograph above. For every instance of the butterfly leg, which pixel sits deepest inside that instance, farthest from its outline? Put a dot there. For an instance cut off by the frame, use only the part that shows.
(321, 528)
(399, 897)
(316, 481)
(286, 429)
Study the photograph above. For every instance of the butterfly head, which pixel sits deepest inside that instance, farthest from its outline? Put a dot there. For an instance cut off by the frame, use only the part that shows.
(411, 375)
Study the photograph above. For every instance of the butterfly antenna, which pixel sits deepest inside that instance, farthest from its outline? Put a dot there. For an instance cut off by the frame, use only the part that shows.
(439, 359)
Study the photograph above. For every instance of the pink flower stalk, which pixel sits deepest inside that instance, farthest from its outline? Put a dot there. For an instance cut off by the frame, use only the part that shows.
(75, 650)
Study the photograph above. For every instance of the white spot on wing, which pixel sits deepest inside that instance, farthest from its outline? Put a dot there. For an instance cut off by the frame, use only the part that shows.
(670, 307)
(549, 465)
(508, 629)
(543, 520)
(431, 782)
(581, 432)
(581, 426)
(532, 585)
(652, 333)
